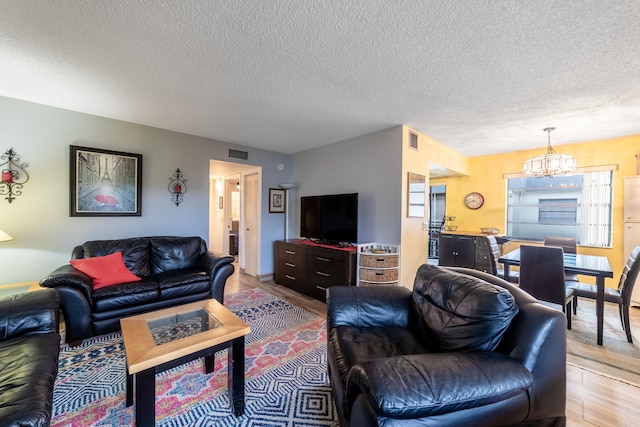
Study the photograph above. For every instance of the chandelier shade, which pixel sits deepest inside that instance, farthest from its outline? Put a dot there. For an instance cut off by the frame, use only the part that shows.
(4, 237)
(551, 163)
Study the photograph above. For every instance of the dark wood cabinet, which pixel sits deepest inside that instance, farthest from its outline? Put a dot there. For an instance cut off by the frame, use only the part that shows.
(456, 250)
(311, 269)
(483, 255)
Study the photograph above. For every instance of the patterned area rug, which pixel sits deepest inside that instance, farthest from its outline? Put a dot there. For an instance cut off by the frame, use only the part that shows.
(286, 375)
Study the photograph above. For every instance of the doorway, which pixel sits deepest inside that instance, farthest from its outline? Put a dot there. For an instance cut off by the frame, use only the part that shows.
(437, 207)
(232, 206)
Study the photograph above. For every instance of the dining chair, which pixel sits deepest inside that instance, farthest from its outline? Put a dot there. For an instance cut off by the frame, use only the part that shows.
(569, 245)
(542, 276)
(494, 254)
(620, 296)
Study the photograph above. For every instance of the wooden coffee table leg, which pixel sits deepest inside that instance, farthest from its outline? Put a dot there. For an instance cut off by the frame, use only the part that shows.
(129, 388)
(236, 376)
(145, 383)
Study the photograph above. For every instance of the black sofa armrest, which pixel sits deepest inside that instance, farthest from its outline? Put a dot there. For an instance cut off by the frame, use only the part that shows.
(537, 338)
(220, 267)
(29, 313)
(75, 290)
(378, 306)
(212, 261)
(432, 384)
(67, 275)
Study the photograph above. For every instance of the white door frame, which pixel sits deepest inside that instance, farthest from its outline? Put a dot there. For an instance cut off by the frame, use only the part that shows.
(253, 270)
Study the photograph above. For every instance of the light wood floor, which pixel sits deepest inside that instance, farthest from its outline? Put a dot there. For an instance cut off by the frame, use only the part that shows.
(592, 399)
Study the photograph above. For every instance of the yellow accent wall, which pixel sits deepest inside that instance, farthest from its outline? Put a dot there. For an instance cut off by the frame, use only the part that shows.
(485, 175)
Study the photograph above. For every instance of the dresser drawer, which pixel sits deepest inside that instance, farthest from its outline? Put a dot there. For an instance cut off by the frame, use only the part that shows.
(484, 266)
(317, 291)
(292, 255)
(292, 281)
(318, 277)
(482, 257)
(379, 261)
(371, 275)
(320, 262)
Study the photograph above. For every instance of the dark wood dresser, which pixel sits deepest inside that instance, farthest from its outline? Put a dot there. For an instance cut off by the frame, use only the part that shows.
(310, 268)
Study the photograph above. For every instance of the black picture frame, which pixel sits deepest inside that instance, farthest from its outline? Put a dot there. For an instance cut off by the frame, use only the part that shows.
(277, 200)
(105, 182)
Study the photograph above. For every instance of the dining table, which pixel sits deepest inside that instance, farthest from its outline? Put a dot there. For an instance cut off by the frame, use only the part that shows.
(588, 265)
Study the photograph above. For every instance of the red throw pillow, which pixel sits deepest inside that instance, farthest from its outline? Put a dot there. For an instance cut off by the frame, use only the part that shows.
(105, 270)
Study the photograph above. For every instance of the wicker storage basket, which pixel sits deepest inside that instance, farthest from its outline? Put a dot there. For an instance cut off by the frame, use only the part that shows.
(378, 261)
(365, 283)
(378, 275)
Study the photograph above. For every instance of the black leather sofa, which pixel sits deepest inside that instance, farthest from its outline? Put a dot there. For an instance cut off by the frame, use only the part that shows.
(464, 348)
(174, 270)
(29, 349)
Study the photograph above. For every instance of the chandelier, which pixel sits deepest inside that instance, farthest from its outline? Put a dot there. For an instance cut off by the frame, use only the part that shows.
(551, 164)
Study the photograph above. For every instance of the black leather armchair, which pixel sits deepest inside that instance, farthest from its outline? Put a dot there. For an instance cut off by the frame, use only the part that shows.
(459, 350)
(174, 271)
(29, 349)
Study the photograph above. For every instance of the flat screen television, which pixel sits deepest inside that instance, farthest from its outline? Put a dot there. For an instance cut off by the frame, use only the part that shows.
(330, 218)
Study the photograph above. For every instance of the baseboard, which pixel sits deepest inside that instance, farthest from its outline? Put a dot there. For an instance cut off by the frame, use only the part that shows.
(265, 277)
(260, 277)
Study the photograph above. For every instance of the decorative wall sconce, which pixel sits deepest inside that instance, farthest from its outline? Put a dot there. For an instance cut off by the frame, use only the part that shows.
(14, 175)
(177, 187)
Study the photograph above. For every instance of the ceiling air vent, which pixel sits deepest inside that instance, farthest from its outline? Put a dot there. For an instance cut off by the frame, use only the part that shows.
(238, 154)
(413, 140)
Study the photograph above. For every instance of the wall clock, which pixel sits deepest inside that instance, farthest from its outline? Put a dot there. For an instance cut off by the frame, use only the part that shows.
(473, 200)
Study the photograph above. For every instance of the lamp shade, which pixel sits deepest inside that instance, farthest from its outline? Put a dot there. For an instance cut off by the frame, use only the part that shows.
(550, 164)
(4, 237)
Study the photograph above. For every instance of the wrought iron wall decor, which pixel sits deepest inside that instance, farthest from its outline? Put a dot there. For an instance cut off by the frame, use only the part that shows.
(177, 187)
(14, 175)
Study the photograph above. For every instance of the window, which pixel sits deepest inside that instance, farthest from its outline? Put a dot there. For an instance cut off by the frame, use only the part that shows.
(558, 211)
(576, 205)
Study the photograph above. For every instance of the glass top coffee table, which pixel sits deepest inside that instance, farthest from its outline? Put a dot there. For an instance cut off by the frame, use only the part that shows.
(163, 339)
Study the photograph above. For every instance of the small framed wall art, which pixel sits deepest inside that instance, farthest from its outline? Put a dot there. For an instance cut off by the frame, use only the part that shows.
(277, 200)
(105, 182)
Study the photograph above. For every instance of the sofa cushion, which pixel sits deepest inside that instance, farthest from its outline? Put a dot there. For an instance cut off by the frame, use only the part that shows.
(178, 283)
(174, 253)
(105, 270)
(353, 344)
(129, 294)
(433, 384)
(456, 312)
(135, 252)
(29, 368)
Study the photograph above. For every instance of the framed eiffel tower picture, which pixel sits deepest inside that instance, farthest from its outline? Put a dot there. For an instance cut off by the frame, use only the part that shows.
(105, 182)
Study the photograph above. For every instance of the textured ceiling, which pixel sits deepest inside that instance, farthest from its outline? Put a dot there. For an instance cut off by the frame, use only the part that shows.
(480, 76)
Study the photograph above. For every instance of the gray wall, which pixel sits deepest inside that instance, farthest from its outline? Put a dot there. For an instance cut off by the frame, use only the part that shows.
(39, 219)
(370, 165)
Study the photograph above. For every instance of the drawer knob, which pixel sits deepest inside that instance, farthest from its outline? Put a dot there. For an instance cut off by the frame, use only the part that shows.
(290, 277)
(322, 274)
(288, 264)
